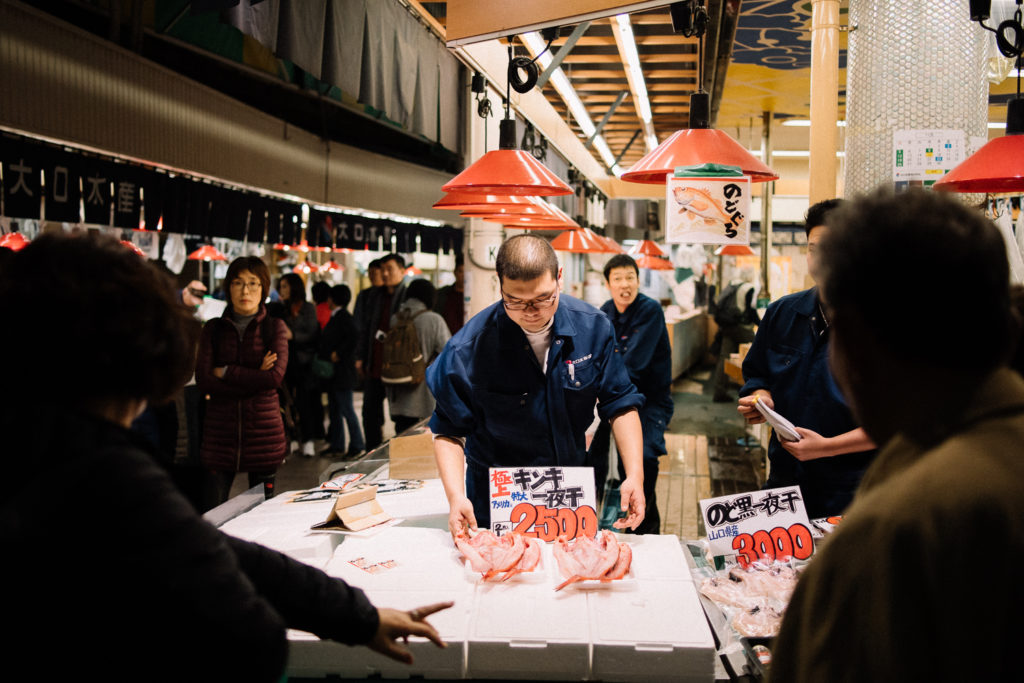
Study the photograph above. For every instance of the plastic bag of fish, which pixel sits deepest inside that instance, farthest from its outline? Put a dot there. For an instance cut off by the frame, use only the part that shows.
(754, 597)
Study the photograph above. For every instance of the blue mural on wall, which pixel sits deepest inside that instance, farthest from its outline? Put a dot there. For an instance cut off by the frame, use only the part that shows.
(776, 34)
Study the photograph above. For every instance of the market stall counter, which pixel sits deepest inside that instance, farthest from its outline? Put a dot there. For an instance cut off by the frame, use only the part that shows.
(649, 626)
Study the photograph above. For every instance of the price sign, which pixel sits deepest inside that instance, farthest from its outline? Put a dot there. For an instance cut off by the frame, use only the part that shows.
(543, 502)
(769, 524)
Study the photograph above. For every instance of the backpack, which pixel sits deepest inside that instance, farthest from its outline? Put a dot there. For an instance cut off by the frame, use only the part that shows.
(728, 310)
(403, 361)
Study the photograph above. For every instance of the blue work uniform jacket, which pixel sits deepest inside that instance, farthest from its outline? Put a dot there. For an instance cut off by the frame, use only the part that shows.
(642, 338)
(491, 391)
(789, 358)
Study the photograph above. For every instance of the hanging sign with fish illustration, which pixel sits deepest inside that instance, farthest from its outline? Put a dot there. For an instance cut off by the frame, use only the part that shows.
(707, 210)
(543, 502)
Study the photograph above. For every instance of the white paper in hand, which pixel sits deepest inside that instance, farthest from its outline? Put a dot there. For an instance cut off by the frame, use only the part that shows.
(783, 427)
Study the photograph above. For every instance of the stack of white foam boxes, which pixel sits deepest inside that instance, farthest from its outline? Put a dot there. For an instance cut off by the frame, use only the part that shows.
(649, 626)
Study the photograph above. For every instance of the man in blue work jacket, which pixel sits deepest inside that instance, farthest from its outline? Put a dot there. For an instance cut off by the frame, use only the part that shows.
(642, 338)
(787, 369)
(517, 387)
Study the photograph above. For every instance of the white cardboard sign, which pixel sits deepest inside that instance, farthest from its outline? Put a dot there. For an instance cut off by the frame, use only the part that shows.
(768, 524)
(707, 210)
(543, 502)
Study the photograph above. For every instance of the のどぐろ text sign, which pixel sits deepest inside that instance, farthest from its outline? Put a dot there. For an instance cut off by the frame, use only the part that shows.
(707, 210)
(543, 502)
(768, 524)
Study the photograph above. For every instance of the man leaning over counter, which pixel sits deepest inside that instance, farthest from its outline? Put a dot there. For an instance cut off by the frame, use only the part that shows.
(518, 384)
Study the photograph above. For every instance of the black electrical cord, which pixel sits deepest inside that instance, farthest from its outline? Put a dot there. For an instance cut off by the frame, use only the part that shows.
(523, 71)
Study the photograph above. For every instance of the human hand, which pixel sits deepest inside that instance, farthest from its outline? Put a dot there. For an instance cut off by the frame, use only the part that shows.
(631, 493)
(811, 445)
(395, 624)
(750, 412)
(335, 357)
(219, 372)
(461, 517)
(268, 361)
(359, 368)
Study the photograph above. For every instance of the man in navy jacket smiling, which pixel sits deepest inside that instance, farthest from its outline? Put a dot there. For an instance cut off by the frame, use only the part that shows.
(518, 385)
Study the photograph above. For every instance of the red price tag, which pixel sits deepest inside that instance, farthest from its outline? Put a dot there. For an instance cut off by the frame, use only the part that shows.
(782, 543)
(547, 524)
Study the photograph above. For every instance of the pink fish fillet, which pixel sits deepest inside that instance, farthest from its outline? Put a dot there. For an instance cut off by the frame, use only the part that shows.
(594, 558)
(528, 562)
(490, 554)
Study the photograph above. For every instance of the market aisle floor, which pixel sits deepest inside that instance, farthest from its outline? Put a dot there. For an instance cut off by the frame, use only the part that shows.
(707, 456)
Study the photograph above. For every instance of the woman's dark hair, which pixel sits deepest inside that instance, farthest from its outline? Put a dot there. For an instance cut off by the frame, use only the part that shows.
(620, 261)
(254, 265)
(297, 288)
(421, 290)
(341, 295)
(321, 292)
(90, 323)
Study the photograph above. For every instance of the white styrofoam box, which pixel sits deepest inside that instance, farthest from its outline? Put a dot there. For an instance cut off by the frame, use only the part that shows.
(278, 513)
(428, 501)
(314, 658)
(528, 631)
(312, 549)
(658, 557)
(424, 559)
(657, 632)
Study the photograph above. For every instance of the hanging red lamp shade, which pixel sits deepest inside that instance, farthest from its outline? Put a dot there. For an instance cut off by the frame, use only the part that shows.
(306, 267)
(281, 246)
(508, 171)
(474, 200)
(14, 241)
(531, 223)
(332, 266)
(645, 248)
(583, 241)
(694, 146)
(521, 210)
(734, 250)
(207, 252)
(654, 263)
(131, 245)
(613, 246)
(413, 271)
(998, 166)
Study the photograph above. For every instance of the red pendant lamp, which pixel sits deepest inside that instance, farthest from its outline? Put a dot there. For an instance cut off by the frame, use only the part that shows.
(508, 171)
(14, 241)
(583, 241)
(207, 252)
(734, 250)
(306, 267)
(475, 200)
(699, 144)
(131, 245)
(998, 165)
(332, 266)
(654, 263)
(645, 247)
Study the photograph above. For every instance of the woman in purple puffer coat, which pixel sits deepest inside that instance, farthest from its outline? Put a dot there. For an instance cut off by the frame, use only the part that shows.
(242, 360)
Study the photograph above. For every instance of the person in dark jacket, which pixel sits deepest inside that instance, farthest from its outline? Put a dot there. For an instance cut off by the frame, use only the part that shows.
(449, 303)
(242, 360)
(381, 303)
(338, 344)
(300, 316)
(151, 591)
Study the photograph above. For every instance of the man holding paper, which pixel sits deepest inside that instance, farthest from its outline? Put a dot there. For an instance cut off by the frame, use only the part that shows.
(517, 386)
(786, 371)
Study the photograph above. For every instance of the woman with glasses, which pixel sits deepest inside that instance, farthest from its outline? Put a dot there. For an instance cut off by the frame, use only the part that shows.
(242, 360)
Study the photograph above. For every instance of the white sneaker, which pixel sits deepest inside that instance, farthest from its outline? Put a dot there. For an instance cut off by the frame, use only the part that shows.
(293, 447)
(308, 449)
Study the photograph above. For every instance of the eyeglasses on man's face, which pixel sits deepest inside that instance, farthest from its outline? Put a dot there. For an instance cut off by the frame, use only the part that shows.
(538, 304)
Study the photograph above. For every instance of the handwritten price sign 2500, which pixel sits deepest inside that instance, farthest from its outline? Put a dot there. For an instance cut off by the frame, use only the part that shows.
(547, 524)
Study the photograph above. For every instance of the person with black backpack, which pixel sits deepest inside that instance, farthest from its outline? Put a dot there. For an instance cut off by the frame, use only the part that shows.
(736, 316)
(416, 337)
